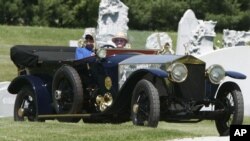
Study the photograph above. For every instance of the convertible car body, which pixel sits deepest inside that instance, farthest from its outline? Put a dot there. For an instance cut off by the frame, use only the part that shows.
(119, 85)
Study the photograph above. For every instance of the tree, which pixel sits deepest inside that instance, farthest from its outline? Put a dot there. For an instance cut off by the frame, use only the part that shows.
(10, 11)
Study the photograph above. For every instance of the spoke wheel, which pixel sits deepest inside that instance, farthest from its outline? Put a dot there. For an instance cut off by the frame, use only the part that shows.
(25, 107)
(145, 107)
(67, 93)
(231, 102)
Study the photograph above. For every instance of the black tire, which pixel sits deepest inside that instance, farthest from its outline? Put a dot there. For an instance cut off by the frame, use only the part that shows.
(145, 104)
(231, 101)
(25, 107)
(67, 82)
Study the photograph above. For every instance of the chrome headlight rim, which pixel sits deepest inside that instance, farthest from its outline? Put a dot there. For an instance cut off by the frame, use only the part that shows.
(101, 53)
(175, 72)
(214, 71)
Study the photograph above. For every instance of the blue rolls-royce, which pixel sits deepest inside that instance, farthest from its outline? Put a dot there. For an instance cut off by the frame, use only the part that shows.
(118, 85)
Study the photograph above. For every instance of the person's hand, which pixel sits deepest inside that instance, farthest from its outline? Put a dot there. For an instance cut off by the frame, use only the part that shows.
(93, 54)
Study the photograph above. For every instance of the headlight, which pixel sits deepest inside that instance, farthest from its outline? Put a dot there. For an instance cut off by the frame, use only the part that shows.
(178, 72)
(216, 74)
(101, 53)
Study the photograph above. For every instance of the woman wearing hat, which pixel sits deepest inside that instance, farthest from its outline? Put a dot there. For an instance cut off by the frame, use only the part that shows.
(120, 40)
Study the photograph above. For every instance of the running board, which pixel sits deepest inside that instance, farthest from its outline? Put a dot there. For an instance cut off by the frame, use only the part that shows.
(64, 116)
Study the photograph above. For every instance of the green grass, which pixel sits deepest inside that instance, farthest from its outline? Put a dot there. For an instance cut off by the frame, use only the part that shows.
(56, 131)
(12, 35)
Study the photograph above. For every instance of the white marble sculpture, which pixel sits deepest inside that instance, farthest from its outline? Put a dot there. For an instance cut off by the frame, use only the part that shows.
(113, 18)
(160, 41)
(7, 101)
(194, 36)
(232, 38)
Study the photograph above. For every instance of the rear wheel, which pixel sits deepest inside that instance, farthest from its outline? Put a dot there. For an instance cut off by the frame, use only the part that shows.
(230, 101)
(67, 93)
(145, 105)
(25, 107)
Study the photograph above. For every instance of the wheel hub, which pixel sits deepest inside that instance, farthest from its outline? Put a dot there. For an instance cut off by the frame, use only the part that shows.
(135, 108)
(58, 94)
(20, 112)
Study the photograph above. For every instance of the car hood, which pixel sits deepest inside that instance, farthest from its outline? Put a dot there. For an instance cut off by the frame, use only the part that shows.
(161, 59)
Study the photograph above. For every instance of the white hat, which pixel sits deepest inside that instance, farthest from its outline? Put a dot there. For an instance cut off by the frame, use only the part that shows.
(89, 31)
(121, 35)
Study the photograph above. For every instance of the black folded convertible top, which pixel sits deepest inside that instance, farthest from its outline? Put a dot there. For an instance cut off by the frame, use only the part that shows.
(30, 56)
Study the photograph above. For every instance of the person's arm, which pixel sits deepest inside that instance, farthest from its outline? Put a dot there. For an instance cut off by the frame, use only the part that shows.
(79, 53)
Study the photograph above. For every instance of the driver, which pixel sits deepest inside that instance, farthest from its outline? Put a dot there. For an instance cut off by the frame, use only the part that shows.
(120, 40)
(86, 48)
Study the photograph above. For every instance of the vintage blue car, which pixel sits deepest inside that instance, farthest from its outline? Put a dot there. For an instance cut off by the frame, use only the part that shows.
(118, 85)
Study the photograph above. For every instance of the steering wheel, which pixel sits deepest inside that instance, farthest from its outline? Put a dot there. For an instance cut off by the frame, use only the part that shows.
(107, 46)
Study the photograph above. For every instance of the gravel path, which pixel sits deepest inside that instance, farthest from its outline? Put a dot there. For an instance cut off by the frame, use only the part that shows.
(209, 138)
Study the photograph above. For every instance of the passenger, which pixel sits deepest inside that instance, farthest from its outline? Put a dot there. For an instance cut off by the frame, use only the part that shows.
(120, 40)
(86, 46)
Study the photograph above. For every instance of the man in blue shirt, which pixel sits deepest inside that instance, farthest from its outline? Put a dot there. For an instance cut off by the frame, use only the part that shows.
(86, 49)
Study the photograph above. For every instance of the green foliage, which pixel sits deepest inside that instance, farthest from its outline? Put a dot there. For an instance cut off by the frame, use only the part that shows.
(143, 15)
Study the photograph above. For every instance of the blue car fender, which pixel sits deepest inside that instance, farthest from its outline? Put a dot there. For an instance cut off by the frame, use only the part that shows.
(156, 72)
(138, 74)
(42, 96)
(236, 75)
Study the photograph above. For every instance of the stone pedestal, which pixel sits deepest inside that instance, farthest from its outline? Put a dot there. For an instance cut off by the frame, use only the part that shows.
(160, 41)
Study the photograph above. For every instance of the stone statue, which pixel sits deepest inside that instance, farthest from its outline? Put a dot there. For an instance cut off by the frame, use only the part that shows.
(202, 39)
(233, 38)
(194, 36)
(160, 41)
(113, 18)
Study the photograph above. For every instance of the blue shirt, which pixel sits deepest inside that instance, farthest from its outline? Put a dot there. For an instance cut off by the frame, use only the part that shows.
(82, 53)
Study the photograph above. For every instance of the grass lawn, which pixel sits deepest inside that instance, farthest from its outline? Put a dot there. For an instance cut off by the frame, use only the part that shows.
(56, 131)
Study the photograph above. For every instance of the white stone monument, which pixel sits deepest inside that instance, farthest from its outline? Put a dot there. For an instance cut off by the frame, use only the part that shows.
(232, 38)
(160, 41)
(7, 101)
(194, 36)
(112, 19)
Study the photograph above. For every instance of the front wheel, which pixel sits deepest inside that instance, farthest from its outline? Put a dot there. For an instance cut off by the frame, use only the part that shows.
(231, 102)
(25, 107)
(145, 104)
(67, 93)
